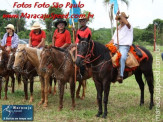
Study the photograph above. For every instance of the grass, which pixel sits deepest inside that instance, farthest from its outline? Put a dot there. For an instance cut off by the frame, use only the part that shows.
(123, 102)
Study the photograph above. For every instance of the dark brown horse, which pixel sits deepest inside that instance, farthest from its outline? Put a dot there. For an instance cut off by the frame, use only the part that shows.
(4, 56)
(25, 54)
(104, 73)
(63, 70)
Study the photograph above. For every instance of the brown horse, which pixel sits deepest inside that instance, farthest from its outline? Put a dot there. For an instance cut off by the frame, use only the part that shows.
(28, 73)
(61, 62)
(24, 54)
(5, 73)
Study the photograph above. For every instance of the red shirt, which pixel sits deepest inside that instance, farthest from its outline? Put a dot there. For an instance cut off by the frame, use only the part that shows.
(36, 39)
(83, 33)
(8, 42)
(61, 38)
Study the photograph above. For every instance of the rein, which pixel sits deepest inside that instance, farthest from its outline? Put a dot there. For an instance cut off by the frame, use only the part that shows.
(89, 54)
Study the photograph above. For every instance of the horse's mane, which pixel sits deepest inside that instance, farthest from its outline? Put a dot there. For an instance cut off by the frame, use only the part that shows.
(100, 49)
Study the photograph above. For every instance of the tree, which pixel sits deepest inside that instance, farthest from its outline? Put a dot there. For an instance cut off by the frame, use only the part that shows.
(18, 22)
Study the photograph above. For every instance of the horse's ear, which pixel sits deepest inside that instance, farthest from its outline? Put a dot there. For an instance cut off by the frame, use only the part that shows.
(79, 37)
(89, 37)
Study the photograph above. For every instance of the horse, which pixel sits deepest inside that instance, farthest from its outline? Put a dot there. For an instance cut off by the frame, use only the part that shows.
(28, 73)
(63, 69)
(6, 73)
(89, 51)
(22, 56)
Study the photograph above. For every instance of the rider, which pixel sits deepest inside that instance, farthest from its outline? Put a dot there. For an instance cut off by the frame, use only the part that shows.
(61, 36)
(37, 36)
(10, 38)
(83, 31)
(125, 37)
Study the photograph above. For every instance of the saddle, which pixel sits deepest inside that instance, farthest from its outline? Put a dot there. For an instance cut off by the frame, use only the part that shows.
(135, 56)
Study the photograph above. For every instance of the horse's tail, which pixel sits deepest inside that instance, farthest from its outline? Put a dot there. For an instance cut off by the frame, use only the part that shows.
(147, 65)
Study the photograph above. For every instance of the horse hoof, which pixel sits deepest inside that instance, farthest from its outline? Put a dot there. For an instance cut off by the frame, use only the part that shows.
(59, 109)
(45, 105)
(82, 98)
(98, 114)
(142, 103)
(54, 93)
(151, 106)
(104, 116)
(30, 101)
(41, 102)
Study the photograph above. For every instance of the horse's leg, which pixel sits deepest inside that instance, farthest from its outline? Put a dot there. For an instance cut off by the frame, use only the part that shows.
(78, 89)
(50, 87)
(42, 91)
(138, 76)
(0, 86)
(61, 93)
(106, 87)
(31, 90)
(25, 81)
(72, 89)
(149, 78)
(46, 80)
(6, 86)
(19, 79)
(99, 97)
(84, 87)
(55, 81)
(13, 83)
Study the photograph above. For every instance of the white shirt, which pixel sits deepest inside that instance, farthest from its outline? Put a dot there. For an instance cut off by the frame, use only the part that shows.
(125, 36)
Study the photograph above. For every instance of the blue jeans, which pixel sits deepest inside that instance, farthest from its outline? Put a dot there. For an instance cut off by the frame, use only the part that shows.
(162, 56)
(124, 53)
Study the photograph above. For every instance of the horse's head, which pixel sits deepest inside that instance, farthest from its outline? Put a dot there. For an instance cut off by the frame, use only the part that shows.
(20, 58)
(83, 50)
(3, 56)
(11, 59)
(46, 59)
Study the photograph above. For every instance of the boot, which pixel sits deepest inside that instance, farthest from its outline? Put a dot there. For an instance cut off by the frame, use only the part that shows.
(119, 77)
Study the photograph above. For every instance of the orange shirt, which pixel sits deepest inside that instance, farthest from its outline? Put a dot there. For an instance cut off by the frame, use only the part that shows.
(61, 38)
(83, 33)
(8, 43)
(36, 39)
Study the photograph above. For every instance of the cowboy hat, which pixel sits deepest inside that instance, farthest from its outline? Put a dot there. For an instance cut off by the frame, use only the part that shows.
(122, 14)
(11, 26)
(83, 17)
(60, 21)
(36, 25)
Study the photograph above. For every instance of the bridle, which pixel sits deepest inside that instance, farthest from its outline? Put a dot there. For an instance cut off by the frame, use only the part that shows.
(89, 53)
(23, 58)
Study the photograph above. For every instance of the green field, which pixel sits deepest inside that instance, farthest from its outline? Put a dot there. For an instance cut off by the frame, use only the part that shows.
(123, 102)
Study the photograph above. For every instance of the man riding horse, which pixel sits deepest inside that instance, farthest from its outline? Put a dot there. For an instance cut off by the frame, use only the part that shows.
(125, 37)
(37, 36)
(61, 36)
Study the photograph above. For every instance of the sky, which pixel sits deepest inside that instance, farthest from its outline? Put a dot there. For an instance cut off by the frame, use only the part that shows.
(141, 12)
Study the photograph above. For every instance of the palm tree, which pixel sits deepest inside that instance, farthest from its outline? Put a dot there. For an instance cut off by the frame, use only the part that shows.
(19, 22)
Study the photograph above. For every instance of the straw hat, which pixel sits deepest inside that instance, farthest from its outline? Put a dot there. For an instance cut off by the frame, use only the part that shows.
(122, 14)
(36, 25)
(11, 26)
